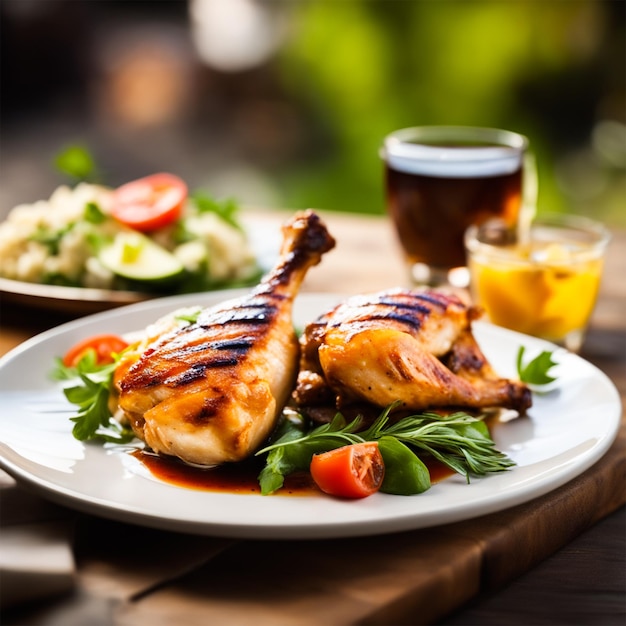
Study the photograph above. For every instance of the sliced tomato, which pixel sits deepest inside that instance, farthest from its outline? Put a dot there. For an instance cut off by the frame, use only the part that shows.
(103, 345)
(353, 471)
(151, 202)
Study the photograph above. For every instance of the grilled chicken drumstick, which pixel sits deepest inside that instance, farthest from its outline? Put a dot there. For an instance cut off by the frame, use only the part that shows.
(416, 347)
(211, 392)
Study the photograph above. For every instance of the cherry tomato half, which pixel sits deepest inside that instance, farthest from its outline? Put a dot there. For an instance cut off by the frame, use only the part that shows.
(353, 471)
(149, 203)
(103, 345)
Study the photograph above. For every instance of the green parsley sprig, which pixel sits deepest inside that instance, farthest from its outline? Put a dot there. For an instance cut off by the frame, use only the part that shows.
(460, 441)
(89, 388)
(536, 371)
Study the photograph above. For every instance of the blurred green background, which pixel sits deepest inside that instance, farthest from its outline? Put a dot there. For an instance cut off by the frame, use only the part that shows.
(285, 103)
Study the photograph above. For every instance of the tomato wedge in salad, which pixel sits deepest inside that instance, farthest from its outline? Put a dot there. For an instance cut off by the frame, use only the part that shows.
(149, 203)
(105, 346)
(353, 471)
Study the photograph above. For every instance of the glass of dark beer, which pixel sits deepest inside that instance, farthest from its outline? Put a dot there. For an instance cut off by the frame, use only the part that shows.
(442, 179)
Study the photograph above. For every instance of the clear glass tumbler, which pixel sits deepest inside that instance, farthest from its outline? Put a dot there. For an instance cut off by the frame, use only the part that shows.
(544, 283)
(440, 180)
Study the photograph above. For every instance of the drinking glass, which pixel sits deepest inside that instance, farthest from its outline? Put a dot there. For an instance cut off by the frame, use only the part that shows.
(442, 179)
(544, 284)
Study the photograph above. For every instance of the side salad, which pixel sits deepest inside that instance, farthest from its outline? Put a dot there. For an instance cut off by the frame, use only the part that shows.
(148, 235)
(345, 459)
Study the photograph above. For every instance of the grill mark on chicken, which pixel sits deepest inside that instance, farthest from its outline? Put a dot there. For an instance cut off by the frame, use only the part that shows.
(210, 392)
(400, 371)
(236, 345)
(256, 314)
(437, 298)
(209, 409)
(404, 318)
(410, 300)
(198, 371)
(407, 308)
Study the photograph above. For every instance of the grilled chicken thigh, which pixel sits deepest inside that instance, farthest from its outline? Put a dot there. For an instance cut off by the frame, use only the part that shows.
(416, 347)
(211, 391)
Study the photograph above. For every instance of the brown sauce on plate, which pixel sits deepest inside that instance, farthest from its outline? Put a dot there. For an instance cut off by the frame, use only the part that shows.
(438, 471)
(242, 478)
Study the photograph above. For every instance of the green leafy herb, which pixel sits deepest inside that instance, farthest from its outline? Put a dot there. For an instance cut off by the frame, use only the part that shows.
(89, 388)
(535, 372)
(93, 213)
(226, 209)
(77, 162)
(190, 316)
(460, 441)
(405, 473)
(285, 460)
(51, 238)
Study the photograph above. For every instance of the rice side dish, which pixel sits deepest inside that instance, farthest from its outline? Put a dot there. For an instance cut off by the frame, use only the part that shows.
(60, 241)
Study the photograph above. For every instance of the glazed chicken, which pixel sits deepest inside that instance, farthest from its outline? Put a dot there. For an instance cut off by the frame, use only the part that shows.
(211, 391)
(412, 346)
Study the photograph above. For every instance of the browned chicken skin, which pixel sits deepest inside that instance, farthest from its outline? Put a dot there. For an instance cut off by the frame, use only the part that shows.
(412, 346)
(211, 391)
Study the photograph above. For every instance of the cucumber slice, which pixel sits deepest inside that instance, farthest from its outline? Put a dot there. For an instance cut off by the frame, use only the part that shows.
(136, 257)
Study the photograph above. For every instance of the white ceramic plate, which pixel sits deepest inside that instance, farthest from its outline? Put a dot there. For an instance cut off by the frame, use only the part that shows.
(566, 431)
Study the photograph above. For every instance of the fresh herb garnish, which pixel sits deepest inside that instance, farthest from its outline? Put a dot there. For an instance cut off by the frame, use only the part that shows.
(226, 209)
(89, 388)
(190, 315)
(535, 372)
(77, 162)
(459, 441)
(51, 238)
(94, 214)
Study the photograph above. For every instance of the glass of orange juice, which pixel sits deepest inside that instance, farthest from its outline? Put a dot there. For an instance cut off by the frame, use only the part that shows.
(542, 282)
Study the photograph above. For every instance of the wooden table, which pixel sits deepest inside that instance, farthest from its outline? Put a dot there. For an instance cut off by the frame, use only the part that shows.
(559, 559)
